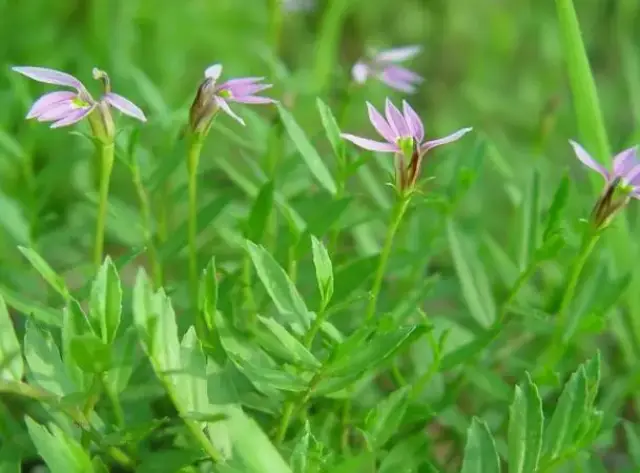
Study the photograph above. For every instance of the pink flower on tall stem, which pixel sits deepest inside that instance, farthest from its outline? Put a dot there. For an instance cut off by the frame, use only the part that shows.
(621, 184)
(383, 66)
(403, 135)
(65, 108)
(212, 97)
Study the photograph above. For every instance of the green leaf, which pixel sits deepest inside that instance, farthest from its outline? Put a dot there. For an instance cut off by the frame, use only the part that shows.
(156, 322)
(61, 453)
(385, 419)
(530, 211)
(570, 409)
(11, 362)
(30, 308)
(251, 445)
(331, 128)
(480, 455)
(105, 306)
(280, 342)
(300, 453)
(90, 353)
(49, 275)
(260, 211)
(191, 382)
(281, 290)
(362, 352)
(324, 270)
(46, 368)
(558, 204)
(475, 286)
(525, 428)
(307, 151)
(208, 298)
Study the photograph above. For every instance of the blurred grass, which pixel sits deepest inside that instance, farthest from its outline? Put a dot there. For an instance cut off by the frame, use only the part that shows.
(497, 66)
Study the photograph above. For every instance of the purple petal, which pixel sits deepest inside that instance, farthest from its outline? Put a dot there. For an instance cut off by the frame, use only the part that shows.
(252, 99)
(413, 120)
(624, 162)
(360, 72)
(50, 76)
(126, 106)
(398, 85)
(73, 117)
(241, 81)
(588, 161)
(443, 141)
(47, 101)
(226, 109)
(398, 54)
(396, 121)
(247, 89)
(380, 124)
(632, 176)
(370, 144)
(57, 111)
(213, 71)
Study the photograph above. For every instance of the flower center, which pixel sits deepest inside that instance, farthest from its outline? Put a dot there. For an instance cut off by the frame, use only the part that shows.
(78, 102)
(406, 145)
(225, 93)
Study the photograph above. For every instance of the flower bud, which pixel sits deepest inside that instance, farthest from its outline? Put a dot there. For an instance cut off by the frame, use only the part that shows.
(612, 200)
(204, 107)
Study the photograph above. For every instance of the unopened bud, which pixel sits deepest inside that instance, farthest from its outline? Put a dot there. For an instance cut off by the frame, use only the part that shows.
(204, 107)
(612, 200)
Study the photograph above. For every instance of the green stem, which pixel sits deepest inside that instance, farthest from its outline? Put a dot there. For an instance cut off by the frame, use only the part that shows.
(556, 349)
(400, 207)
(106, 152)
(315, 327)
(275, 24)
(145, 210)
(193, 158)
(293, 405)
(248, 292)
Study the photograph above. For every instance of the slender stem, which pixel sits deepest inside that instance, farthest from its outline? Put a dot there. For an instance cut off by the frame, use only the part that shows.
(556, 348)
(275, 24)
(315, 327)
(284, 422)
(106, 152)
(193, 158)
(248, 292)
(399, 210)
(145, 210)
(293, 405)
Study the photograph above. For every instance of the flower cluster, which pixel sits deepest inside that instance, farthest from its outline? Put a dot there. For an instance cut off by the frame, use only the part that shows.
(402, 131)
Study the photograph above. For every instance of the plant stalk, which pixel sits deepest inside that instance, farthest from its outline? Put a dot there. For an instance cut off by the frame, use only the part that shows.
(400, 207)
(106, 152)
(193, 159)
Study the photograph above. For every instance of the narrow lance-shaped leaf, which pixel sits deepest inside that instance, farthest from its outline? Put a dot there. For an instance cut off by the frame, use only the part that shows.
(106, 301)
(48, 274)
(475, 287)
(331, 128)
(281, 290)
(324, 269)
(11, 362)
(480, 455)
(260, 211)
(570, 409)
(525, 429)
(307, 151)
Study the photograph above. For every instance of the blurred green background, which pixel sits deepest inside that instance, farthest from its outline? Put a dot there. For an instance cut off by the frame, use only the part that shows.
(495, 65)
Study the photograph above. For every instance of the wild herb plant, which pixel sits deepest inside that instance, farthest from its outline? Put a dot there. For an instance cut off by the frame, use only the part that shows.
(250, 292)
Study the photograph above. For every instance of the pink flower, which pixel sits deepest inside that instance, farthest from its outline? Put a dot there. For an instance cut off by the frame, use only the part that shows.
(383, 66)
(242, 90)
(403, 135)
(65, 108)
